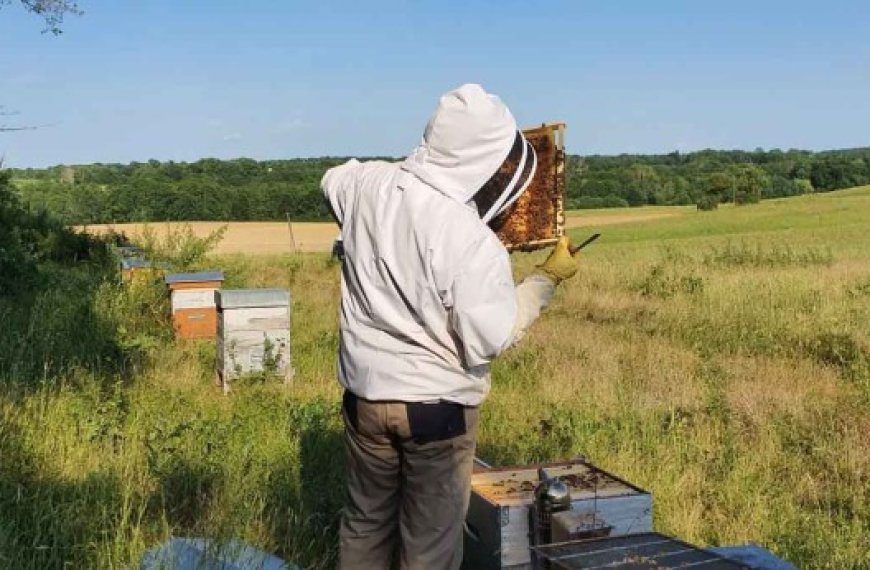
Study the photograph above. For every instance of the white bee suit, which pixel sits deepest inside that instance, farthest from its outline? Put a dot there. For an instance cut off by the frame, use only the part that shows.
(427, 294)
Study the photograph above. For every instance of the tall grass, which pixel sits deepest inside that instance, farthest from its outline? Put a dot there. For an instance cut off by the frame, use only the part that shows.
(731, 381)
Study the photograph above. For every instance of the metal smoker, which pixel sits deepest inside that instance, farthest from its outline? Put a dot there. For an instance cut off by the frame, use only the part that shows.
(552, 495)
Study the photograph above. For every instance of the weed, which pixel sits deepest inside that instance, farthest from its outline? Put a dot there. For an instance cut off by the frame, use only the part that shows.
(769, 255)
(664, 281)
(845, 352)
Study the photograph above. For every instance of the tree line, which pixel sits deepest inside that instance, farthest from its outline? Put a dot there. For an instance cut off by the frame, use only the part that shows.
(246, 189)
(711, 176)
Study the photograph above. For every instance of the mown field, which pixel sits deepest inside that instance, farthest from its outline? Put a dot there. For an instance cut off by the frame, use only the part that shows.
(720, 360)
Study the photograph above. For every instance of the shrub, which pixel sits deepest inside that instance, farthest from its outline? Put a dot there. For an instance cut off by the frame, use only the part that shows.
(742, 198)
(179, 246)
(663, 281)
(707, 203)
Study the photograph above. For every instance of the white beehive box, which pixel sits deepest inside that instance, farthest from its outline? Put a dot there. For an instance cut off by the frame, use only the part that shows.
(253, 333)
(498, 514)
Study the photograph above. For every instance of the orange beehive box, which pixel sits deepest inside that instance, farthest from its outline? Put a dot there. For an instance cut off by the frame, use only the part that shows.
(194, 314)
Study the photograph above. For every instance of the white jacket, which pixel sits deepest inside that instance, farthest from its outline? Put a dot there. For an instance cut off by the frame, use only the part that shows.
(427, 294)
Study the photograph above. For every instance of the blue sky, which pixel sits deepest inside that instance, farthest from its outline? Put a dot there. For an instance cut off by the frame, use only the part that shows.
(168, 79)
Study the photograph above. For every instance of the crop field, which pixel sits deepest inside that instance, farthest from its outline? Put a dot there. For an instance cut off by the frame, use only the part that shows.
(719, 360)
(268, 238)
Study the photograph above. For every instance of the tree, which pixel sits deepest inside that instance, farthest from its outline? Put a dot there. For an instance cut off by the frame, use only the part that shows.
(804, 186)
(52, 11)
(749, 180)
(719, 185)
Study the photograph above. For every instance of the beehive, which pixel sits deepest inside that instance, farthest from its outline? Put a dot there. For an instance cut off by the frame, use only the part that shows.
(537, 218)
(640, 551)
(135, 269)
(498, 512)
(193, 303)
(253, 333)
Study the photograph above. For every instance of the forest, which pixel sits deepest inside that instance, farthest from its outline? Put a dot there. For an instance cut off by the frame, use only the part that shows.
(246, 189)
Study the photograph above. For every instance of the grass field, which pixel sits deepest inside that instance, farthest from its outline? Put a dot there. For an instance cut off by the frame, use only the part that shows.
(720, 360)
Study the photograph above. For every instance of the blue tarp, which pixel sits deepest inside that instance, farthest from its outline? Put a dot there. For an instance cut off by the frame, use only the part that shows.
(755, 557)
(205, 554)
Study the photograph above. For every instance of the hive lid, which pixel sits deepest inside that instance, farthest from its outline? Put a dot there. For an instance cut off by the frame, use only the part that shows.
(135, 263)
(242, 298)
(194, 277)
(128, 250)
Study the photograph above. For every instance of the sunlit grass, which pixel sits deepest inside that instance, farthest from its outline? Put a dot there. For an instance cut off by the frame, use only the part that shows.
(720, 360)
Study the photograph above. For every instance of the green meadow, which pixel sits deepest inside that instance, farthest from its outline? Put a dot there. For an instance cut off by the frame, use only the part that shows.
(719, 360)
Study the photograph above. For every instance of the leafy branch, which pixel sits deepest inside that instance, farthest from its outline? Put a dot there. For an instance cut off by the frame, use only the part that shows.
(52, 11)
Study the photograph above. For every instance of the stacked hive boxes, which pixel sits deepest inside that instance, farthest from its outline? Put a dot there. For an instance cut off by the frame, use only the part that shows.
(192, 296)
(253, 333)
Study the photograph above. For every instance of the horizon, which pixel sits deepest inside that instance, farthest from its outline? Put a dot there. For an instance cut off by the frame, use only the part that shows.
(131, 83)
(378, 157)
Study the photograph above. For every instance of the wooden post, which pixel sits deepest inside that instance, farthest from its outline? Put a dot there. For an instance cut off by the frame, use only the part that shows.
(292, 237)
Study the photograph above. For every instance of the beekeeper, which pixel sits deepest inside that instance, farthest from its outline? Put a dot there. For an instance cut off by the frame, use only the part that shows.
(427, 302)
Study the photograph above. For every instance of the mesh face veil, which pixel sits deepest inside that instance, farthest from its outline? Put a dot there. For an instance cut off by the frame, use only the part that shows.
(509, 181)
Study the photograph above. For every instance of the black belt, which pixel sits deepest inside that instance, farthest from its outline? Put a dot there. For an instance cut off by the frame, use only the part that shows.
(428, 421)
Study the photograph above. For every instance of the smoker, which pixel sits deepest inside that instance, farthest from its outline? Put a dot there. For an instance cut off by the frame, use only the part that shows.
(552, 496)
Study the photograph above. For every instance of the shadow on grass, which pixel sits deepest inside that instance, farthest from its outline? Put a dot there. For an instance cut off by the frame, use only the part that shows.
(186, 492)
(50, 523)
(306, 498)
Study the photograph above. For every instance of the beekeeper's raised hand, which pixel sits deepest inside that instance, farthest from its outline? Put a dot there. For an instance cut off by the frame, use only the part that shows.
(560, 265)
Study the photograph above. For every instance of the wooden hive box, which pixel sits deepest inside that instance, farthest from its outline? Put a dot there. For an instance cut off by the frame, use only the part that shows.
(537, 218)
(498, 514)
(193, 303)
(136, 269)
(253, 333)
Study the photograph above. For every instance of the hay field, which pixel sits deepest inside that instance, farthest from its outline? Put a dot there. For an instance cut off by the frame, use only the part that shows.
(255, 238)
(270, 238)
(720, 360)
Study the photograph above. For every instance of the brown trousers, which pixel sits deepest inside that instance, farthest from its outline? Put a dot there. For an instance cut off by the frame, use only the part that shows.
(409, 480)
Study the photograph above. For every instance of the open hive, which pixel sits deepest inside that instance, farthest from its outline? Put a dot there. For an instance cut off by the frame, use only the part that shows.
(498, 513)
(537, 218)
(644, 551)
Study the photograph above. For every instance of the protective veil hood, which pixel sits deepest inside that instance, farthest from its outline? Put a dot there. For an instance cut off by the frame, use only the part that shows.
(469, 137)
